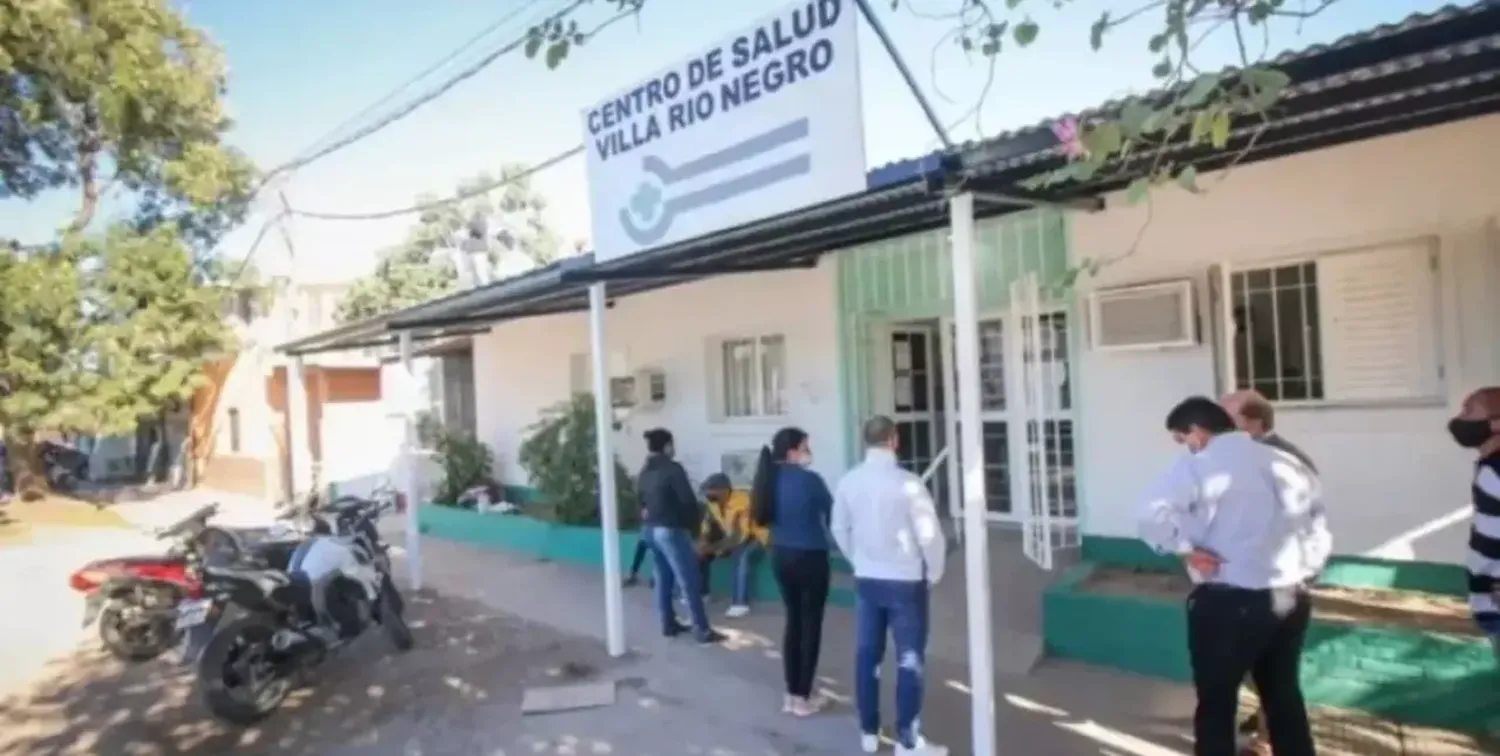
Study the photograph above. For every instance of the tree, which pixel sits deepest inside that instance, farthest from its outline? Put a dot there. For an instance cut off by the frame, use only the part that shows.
(503, 219)
(157, 323)
(101, 331)
(99, 93)
(42, 374)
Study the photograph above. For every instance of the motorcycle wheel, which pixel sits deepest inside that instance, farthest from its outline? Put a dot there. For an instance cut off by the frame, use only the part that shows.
(131, 639)
(391, 619)
(237, 679)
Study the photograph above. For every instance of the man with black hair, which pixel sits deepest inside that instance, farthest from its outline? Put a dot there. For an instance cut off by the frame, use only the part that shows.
(1248, 520)
(670, 526)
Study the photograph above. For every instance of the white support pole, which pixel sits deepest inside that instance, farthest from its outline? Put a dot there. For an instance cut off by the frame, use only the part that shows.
(950, 430)
(408, 484)
(971, 454)
(299, 439)
(609, 515)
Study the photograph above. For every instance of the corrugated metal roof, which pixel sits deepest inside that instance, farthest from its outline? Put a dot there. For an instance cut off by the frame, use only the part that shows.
(982, 155)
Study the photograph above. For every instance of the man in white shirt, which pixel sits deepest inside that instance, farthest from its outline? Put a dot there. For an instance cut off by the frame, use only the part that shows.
(886, 525)
(1248, 520)
(1254, 414)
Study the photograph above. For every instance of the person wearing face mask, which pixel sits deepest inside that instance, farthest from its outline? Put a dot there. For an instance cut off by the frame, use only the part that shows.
(1477, 427)
(1248, 520)
(794, 502)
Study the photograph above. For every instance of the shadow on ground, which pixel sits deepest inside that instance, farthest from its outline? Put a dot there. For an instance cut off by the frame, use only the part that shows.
(464, 679)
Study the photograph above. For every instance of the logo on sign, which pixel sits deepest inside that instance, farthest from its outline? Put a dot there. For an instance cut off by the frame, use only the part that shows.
(649, 214)
(710, 135)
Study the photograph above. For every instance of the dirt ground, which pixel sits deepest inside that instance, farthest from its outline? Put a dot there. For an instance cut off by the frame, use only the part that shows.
(1362, 606)
(466, 674)
(18, 519)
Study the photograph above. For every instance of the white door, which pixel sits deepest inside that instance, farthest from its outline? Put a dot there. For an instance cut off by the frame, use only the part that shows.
(1042, 469)
(1011, 407)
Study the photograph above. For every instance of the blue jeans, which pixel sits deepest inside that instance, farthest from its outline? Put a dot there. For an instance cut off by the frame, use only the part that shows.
(676, 562)
(745, 558)
(900, 607)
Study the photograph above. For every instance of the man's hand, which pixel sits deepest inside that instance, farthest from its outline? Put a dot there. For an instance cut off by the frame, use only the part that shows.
(1203, 562)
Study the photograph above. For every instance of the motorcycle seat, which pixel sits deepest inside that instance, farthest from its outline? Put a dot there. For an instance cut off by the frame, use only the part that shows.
(267, 581)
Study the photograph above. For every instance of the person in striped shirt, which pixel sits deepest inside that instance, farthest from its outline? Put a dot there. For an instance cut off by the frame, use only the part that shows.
(1477, 427)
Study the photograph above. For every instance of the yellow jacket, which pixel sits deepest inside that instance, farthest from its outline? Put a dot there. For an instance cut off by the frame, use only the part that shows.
(734, 517)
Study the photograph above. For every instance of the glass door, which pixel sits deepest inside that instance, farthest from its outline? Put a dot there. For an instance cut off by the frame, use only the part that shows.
(1001, 378)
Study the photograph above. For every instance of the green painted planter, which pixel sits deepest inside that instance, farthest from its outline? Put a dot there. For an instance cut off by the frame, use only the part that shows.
(571, 544)
(1401, 674)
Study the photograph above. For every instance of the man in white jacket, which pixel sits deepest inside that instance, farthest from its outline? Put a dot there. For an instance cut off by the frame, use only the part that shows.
(886, 525)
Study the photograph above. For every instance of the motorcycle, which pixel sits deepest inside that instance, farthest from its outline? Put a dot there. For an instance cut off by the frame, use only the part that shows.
(266, 629)
(134, 599)
(64, 466)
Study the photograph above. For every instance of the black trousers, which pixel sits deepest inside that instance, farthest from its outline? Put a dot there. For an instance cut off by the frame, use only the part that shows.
(803, 577)
(641, 550)
(1233, 632)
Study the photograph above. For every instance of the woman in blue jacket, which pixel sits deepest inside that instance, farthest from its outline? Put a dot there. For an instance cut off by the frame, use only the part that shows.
(794, 502)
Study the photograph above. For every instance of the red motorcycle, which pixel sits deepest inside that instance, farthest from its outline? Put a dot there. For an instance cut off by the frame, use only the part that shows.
(135, 598)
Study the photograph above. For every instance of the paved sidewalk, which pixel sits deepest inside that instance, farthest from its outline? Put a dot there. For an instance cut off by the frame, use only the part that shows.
(724, 700)
(730, 696)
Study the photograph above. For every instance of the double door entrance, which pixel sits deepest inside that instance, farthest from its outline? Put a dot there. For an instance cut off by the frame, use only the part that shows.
(1026, 407)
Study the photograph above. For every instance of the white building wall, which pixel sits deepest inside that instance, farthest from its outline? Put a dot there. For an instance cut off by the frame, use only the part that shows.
(523, 367)
(1389, 472)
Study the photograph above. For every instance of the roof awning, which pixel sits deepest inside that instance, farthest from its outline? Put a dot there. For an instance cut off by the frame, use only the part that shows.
(1426, 70)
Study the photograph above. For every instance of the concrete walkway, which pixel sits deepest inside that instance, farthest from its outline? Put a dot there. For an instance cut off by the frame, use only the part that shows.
(726, 699)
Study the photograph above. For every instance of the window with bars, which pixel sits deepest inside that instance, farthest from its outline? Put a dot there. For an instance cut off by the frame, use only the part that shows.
(1277, 344)
(1351, 326)
(750, 373)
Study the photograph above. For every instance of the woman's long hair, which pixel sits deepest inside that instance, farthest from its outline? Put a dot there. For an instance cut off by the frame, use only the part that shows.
(763, 489)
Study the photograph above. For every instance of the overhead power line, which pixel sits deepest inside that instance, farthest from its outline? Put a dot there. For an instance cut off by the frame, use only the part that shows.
(428, 71)
(475, 191)
(413, 105)
(312, 155)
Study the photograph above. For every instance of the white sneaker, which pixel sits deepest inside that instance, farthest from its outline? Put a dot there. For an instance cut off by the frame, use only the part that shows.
(869, 743)
(922, 748)
(738, 610)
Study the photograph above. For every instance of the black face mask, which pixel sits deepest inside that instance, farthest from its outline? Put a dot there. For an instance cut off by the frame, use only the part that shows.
(1470, 434)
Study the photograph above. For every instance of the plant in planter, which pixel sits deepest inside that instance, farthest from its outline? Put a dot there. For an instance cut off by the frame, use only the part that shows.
(466, 462)
(560, 456)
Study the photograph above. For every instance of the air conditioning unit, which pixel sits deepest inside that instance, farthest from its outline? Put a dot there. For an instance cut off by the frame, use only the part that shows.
(650, 389)
(1145, 316)
(622, 393)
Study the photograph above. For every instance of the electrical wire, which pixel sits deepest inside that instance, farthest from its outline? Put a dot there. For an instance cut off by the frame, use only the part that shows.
(449, 58)
(310, 155)
(413, 105)
(476, 191)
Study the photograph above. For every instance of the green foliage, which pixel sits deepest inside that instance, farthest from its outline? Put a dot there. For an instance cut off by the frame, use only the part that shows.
(99, 333)
(43, 373)
(103, 93)
(466, 461)
(561, 457)
(420, 268)
(155, 326)
(556, 36)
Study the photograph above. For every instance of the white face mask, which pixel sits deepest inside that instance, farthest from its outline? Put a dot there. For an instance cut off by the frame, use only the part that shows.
(806, 460)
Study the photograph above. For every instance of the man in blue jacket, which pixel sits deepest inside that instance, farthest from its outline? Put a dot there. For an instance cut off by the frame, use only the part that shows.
(673, 518)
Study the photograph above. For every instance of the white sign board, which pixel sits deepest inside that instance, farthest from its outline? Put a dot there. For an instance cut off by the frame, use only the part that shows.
(765, 122)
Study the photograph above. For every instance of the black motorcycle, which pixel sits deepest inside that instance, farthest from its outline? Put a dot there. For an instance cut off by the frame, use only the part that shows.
(262, 631)
(135, 599)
